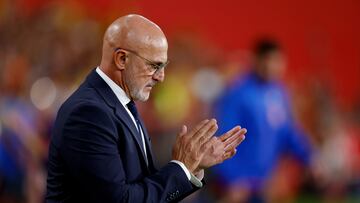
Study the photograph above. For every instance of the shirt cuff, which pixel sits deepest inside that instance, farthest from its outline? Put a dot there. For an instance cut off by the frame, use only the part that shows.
(193, 179)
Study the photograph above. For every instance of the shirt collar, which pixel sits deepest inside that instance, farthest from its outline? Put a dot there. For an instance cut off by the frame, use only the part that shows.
(120, 93)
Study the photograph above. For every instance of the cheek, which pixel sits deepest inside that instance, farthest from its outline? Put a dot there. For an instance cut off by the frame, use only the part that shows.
(143, 83)
(138, 78)
(139, 82)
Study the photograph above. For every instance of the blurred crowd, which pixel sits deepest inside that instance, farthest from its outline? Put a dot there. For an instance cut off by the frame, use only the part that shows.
(44, 56)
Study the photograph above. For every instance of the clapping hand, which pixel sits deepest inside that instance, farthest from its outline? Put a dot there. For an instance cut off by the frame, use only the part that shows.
(200, 149)
(222, 147)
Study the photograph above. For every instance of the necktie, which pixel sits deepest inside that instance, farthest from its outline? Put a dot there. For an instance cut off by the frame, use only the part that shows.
(132, 108)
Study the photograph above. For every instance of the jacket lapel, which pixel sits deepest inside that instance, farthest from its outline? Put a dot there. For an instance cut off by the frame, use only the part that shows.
(110, 98)
(123, 115)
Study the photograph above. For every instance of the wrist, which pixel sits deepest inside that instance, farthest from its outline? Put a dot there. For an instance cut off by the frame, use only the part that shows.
(197, 170)
(196, 181)
(200, 174)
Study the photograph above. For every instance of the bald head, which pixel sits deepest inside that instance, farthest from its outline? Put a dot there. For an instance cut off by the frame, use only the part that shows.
(133, 32)
(133, 49)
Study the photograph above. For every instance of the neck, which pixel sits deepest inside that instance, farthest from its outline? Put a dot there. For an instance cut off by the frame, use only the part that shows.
(117, 77)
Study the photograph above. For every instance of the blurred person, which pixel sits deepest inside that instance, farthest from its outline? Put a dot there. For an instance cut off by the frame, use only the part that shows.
(100, 150)
(22, 144)
(259, 101)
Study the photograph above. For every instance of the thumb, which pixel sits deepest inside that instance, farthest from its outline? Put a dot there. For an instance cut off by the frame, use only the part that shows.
(183, 130)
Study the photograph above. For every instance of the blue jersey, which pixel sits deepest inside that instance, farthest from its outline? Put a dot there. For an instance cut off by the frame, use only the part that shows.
(263, 109)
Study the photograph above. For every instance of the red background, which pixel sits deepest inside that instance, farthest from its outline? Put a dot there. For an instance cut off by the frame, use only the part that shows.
(321, 38)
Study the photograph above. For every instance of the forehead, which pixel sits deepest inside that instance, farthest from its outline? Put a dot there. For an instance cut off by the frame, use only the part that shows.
(150, 44)
(155, 52)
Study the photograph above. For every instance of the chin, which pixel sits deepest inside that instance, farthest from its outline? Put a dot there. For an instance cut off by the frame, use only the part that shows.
(144, 99)
(143, 96)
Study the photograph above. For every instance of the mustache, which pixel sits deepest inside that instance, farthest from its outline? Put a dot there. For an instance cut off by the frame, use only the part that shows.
(151, 84)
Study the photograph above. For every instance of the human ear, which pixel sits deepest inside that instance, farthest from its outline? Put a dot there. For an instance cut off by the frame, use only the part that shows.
(120, 59)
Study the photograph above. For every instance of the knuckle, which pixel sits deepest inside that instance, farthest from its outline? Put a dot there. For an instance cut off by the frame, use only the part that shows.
(202, 140)
(190, 146)
(184, 140)
(202, 148)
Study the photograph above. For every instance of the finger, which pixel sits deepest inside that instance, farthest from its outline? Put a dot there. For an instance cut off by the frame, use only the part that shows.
(234, 143)
(198, 127)
(229, 154)
(207, 145)
(208, 134)
(230, 133)
(234, 136)
(183, 130)
(181, 133)
(205, 131)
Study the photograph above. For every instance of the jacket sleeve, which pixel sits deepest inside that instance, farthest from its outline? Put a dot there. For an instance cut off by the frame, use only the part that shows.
(90, 152)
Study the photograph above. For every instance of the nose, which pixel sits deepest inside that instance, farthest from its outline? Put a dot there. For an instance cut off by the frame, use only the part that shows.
(159, 76)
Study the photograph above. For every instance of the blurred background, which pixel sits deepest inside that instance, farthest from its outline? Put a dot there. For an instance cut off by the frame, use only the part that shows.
(47, 47)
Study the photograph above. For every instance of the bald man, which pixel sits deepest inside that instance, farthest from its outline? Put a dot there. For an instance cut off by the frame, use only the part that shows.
(100, 150)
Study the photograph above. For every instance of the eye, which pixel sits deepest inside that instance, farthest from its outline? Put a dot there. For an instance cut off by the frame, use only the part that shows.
(154, 67)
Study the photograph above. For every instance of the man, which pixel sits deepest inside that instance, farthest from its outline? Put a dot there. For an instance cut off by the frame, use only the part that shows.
(100, 150)
(273, 132)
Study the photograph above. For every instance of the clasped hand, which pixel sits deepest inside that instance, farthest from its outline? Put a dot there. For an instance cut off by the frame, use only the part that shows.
(199, 149)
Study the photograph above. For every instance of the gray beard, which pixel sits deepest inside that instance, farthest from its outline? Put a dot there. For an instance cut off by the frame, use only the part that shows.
(135, 92)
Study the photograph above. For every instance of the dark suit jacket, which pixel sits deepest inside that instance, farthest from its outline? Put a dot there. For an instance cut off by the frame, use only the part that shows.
(95, 154)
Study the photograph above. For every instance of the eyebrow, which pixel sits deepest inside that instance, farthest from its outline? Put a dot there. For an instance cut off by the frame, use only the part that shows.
(157, 63)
